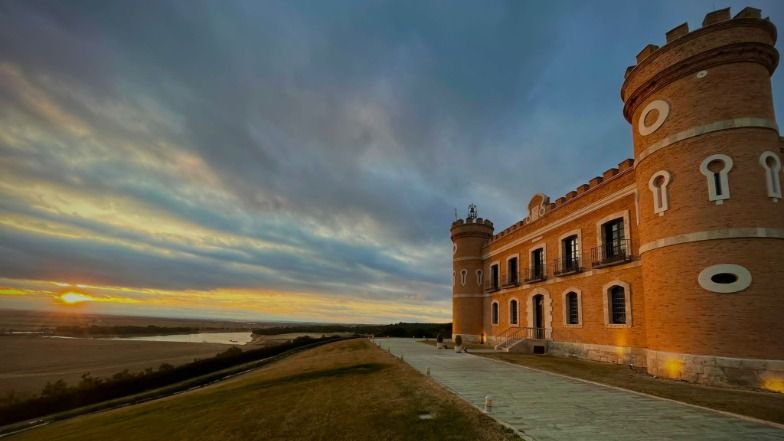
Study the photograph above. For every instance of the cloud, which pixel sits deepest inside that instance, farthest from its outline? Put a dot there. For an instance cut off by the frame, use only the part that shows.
(296, 147)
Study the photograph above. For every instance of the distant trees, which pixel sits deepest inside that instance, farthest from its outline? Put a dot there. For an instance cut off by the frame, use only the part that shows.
(419, 330)
(58, 396)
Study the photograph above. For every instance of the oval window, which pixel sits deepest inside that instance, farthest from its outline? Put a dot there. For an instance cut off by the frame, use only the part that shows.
(725, 278)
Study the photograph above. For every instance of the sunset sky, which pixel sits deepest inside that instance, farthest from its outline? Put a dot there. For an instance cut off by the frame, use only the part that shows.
(295, 160)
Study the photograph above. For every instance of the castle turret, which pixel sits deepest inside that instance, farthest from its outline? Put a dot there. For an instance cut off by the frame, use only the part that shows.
(468, 238)
(708, 161)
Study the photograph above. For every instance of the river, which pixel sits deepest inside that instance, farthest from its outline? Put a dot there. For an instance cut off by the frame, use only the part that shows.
(228, 338)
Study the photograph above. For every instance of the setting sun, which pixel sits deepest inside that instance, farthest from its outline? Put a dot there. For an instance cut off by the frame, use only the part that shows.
(73, 298)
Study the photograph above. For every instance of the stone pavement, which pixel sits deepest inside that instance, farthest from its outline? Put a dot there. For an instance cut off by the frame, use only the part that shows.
(547, 407)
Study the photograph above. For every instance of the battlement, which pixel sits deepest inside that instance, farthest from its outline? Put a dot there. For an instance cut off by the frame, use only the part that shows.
(623, 167)
(721, 39)
(472, 221)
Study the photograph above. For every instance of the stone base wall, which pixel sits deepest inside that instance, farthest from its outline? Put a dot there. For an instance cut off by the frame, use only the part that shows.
(605, 353)
(722, 371)
(468, 338)
(704, 369)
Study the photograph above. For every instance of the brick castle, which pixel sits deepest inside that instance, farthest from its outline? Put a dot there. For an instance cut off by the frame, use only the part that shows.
(672, 261)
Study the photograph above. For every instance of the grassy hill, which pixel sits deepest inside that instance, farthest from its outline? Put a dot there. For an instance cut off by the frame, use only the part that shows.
(348, 390)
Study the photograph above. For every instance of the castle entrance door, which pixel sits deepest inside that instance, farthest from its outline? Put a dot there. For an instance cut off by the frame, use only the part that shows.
(538, 308)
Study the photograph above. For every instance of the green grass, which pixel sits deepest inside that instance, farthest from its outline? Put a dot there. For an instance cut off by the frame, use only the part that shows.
(346, 390)
(763, 405)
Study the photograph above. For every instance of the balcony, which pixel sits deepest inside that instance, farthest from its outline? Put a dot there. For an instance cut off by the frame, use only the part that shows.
(492, 286)
(535, 274)
(513, 280)
(611, 253)
(564, 267)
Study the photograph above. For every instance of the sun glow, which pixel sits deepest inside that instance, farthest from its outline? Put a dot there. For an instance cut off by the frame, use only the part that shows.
(73, 298)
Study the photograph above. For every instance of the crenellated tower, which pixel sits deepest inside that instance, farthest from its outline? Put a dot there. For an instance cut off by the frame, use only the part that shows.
(468, 237)
(708, 166)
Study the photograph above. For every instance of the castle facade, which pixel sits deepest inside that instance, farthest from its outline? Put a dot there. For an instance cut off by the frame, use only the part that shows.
(672, 261)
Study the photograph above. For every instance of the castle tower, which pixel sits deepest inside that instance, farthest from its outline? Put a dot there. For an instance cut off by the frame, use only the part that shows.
(708, 172)
(468, 238)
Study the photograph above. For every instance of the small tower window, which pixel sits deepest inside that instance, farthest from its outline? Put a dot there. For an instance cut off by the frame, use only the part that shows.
(463, 277)
(479, 277)
(658, 186)
(716, 169)
(494, 313)
(453, 278)
(513, 319)
(772, 165)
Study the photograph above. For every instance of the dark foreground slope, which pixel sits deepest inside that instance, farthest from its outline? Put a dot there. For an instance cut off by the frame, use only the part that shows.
(346, 390)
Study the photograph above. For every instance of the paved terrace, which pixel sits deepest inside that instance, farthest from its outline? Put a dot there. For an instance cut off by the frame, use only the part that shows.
(547, 407)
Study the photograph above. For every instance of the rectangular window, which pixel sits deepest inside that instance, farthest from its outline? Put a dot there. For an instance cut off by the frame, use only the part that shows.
(494, 276)
(573, 311)
(537, 264)
(494, 315)
(618, 305)
(614, 243)
(571, 255)
(511, 268)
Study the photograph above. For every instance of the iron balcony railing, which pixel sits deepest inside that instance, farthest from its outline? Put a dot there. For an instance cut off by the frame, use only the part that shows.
(510, 336)
(611, 253)
(535, 274)
(563, 267)
(492, 286)
(512, 280)
(505, 338)
(538, 333)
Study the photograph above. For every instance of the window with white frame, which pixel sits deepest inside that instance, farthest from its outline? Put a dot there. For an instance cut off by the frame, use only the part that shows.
(572, 307)
(772, 165)
(494, 277)
(463, 277)
(570, 252)
(514, 316)
(494, 313)
(453, 278)
(716, 169)
(617, 304)
(658, 186)
(537, 271)
(479, 277)
(615, 245)
(512, 272)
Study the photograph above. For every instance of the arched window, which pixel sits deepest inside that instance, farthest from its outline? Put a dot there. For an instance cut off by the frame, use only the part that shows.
(494, 313)
(479, 277)
(572, 309)
(617, 305)
(716, 168)
(658, 186)
(772, 165)
(463, 276)
(513, 315)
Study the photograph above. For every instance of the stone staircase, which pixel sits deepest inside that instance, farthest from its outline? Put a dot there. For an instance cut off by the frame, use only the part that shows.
(517, 339)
